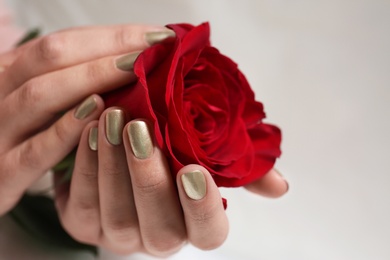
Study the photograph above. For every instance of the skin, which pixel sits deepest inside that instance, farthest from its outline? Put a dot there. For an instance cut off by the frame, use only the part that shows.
(114, 200)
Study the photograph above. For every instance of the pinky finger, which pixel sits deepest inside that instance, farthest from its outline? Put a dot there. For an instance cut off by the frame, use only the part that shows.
(205, 218)
(79, 211)
(32, 158)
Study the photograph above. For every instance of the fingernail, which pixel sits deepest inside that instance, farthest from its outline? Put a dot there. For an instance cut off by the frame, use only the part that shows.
(194, 184)
(284, 179)
(85, 108)
(287, 185)
(140, 140)
(114, 124)
(2, 69)
(126, 63)
(159, 36)
(93, 139)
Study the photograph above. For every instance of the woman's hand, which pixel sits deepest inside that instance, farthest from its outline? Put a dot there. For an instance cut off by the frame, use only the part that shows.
(47, 76)
(122, 195)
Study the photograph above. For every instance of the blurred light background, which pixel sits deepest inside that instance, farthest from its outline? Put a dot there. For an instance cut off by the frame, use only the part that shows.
(322, 70)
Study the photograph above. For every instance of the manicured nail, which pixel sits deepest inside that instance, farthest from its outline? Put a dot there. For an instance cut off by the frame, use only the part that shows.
(140, 139)
(93, 139)
(126, 63)
(115, 120)
(159, 36)
(2, 69)
(85, 108)
(194, 184)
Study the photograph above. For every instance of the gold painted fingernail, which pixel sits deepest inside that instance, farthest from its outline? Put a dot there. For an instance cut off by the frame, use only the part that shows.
(93, 139)
(126, 63)
(194, 184)
(140, 140)
(85, 108)
(115, 120)
(159, 36)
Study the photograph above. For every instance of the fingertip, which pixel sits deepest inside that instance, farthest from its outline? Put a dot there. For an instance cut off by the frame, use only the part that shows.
(99, 101)
(90, 108)
(140, 139)
(192, 168)
(205, 217)
(271, 185)
(194, 184)
(89, 137)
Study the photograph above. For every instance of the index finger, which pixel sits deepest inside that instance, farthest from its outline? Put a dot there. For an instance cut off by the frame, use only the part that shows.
(71, 47)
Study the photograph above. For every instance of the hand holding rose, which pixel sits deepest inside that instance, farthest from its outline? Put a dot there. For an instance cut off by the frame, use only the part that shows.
(50, 75)
(121, 196)
(203, 111)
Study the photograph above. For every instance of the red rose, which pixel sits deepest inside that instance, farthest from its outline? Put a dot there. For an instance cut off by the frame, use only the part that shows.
(202, 107)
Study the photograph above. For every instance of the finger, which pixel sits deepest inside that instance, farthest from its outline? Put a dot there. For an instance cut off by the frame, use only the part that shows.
(32, 105)
(118, 213)
(25, 163)
(272, 185)
(205, 217)
(80, 213)
(72, 47)
(158, 208)
(7, 58)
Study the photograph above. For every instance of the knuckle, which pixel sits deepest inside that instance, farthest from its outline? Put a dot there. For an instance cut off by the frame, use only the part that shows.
(96, 71)
(86, 173)
(112, 170)
(150, 186)
(123, 37)
(86, 211)
(27, 156)
(202, 218)
(30, 93)
(120, 231)
(51, 47)
(163, 246)
(61, 132)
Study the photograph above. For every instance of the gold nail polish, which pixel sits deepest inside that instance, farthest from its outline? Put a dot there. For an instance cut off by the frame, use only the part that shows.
(159, 36)
(93, 139)
(114, 124)
(140, 140)
(85, 108)
(194, 184)
(126, 63)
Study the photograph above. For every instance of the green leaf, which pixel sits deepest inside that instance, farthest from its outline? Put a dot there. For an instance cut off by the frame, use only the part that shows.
(31, 34)
(38, 216)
